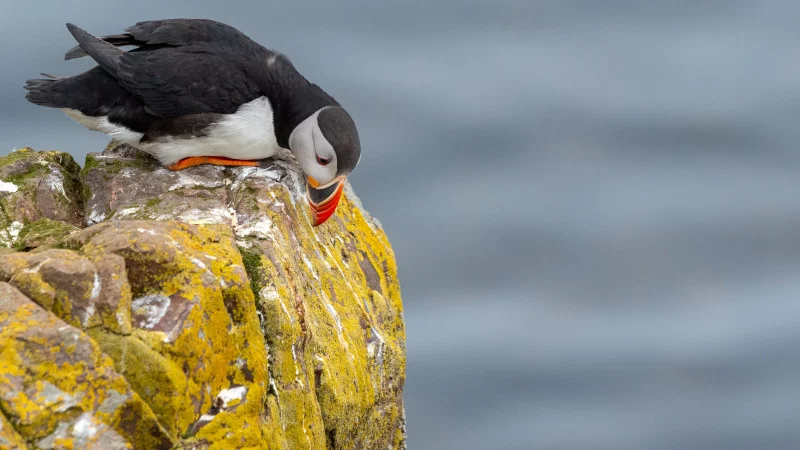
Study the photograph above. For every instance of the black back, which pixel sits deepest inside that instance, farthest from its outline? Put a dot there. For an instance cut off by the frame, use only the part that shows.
(169, 32)
(181, 67)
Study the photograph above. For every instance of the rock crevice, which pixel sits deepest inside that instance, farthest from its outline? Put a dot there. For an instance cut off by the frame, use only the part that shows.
(144, 308)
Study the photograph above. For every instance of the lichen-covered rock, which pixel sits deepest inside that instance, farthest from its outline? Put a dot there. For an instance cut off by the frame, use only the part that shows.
(35, 186)
(194, 324)
(57, 390)
(122, 184)
(234, 321)
(9, 438)
(61, 281)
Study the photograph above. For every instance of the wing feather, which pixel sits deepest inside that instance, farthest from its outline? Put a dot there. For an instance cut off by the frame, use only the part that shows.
(202, 77)
(186, 80)
(171, 32)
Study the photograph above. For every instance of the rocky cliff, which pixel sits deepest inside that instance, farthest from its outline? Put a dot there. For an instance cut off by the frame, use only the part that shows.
(149, 309)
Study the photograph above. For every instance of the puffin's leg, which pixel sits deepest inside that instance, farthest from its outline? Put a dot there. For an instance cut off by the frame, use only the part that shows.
(185, 163)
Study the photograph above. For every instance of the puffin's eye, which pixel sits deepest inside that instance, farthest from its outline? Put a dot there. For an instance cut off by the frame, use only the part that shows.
(323, 161)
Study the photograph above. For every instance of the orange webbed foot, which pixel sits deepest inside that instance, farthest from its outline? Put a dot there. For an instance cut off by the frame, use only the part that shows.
(185, 163)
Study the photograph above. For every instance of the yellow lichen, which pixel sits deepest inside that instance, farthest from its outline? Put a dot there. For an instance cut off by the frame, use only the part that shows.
(220, 330)
(9, 438)
(317, 324)
(40, 389)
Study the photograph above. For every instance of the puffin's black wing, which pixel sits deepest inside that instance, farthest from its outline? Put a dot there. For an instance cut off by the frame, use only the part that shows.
(171, 32)
(174, 82)
(117, 40)
(177, 81)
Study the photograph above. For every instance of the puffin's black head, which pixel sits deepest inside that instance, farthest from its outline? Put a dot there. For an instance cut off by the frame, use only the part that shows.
(340, 131)
(327, 147)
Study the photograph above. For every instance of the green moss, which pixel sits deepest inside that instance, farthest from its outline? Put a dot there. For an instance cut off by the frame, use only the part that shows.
(89, 164)
(73, 184)
(113, 167)
(43, 232)
(65, 160)
(26, 166)
(30, 171)
(152, 202)
(112, 144)
(252, 265)
(15, 156)
(143, 161)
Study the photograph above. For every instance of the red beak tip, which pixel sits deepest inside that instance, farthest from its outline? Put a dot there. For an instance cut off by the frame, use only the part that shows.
(321, 215)
(322, 212)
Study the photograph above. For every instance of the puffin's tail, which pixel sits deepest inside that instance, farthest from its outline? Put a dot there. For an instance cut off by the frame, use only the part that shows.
(56, 92)
(93, 90)
(45, 92)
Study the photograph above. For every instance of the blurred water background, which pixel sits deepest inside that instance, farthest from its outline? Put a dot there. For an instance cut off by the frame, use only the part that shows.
(593, 204)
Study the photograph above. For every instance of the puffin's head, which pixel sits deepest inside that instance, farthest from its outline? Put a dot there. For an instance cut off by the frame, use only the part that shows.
(327, 147)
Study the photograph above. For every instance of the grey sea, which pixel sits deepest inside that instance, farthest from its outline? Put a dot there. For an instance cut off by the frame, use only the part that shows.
(595, 205)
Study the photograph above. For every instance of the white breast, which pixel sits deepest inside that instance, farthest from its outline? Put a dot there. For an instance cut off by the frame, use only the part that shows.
(246, 134)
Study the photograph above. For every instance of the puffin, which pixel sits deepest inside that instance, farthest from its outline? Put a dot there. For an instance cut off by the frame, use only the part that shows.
(197, 91)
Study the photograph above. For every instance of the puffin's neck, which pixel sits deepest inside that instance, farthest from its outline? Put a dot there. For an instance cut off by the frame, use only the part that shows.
(292, 97)
(295, 106)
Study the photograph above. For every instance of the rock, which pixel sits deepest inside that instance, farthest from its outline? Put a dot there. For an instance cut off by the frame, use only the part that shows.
(61, 281)
(210, 300)
(57, 390)
(43, 233)
(35, 186)
(9, 438)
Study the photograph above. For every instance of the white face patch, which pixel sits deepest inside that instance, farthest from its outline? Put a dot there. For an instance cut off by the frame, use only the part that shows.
(307, 143)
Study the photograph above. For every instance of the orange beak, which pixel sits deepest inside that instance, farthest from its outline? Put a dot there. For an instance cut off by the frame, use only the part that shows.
(323, 201)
